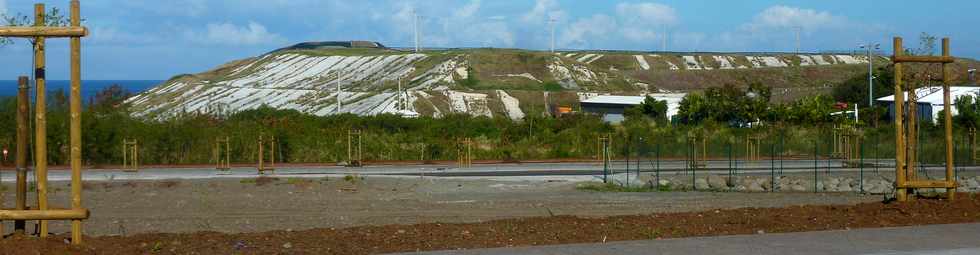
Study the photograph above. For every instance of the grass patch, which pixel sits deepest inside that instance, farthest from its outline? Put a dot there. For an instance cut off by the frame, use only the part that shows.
(612, 187)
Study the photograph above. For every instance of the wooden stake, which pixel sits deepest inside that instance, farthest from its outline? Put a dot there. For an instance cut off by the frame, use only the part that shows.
(947, 79)
(20, 160)
(41, 134)
(76, 123)
(901, 194)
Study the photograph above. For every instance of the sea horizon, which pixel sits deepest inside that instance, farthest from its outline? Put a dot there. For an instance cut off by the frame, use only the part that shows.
(89, 87)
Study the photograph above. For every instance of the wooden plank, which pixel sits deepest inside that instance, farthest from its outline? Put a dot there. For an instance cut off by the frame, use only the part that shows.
(43, 32)
(930, 184)
(65, 214)
(922, 59)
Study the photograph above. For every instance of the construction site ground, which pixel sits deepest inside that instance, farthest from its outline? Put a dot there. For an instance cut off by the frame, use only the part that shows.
(379, 214)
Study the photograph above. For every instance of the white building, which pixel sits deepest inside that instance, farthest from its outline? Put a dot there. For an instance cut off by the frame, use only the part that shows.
(931, 100)
(612, 108)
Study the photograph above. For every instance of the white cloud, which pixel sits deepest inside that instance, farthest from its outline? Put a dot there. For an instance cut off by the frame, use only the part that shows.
(775, 29)
(230, 34)
(643, 22)
(646, 13)
(781, 16)
(543, 11)
(467, 11)
(586, 32)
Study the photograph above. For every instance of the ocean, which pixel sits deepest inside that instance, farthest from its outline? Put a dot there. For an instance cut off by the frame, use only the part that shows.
(89, 87)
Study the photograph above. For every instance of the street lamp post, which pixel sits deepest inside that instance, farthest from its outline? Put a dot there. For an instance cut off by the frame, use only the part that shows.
(870, 47)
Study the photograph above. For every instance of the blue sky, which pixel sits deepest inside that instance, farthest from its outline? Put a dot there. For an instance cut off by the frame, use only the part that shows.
(142, 39)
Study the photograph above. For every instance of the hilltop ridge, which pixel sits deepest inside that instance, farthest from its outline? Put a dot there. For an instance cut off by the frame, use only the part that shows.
(487, 82)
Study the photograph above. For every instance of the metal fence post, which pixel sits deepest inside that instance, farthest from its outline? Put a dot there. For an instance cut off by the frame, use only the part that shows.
(861, 163)
(816, 149)
(730, 169)
(657, 170)
(772, 167)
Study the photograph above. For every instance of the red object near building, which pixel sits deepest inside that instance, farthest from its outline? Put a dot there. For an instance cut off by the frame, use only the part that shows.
(841, 106)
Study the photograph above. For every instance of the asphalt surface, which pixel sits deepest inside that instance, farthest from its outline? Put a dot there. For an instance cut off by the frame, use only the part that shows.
(953, 239)
(577, 169)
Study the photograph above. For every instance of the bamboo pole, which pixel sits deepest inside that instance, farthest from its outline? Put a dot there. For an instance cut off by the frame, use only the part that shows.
(20, 160)
(901, 194)
(42, 31)
(49, 214)
(950, 192)
(76, 123)
(41, 135)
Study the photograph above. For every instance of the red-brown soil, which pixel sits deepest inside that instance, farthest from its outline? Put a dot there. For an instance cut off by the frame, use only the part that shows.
(520, 232)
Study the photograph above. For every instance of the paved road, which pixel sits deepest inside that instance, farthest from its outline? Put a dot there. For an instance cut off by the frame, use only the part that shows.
(934, 239)
(564, 170)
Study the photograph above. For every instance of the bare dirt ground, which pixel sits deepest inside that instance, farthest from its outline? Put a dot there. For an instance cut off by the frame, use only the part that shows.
(519, 232)
(123, 208)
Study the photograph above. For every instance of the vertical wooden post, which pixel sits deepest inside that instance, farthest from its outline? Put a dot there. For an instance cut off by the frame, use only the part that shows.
(261, 157)
(227, 153)
(950, 192)
(76, 123)
(901, 193)
(272, 152)
(41, 134)
(20, 159)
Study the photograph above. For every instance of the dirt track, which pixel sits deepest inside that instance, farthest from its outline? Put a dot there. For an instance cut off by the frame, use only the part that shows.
(234, 206)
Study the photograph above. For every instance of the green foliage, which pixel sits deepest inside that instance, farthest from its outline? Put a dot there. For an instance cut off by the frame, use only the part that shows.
(552, 86)
(471, 80)
(726, 104)
(52, 18)
(855, 90)
(927, 46)
(650, 108)
(968, 112)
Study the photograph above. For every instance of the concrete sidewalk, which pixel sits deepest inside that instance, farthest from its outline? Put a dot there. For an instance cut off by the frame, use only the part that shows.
(934, 239)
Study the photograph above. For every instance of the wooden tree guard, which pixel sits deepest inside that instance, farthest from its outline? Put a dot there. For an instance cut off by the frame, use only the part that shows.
(272, 155)
(752, 148)
(130, 153)
(222, 147)
(905, 125)
(464, 152)
(40, 32)
(354, 148)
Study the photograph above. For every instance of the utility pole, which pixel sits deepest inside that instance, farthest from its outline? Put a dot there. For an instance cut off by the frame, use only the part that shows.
(415, 21)
(798, 30)
(871, 77)
(551, 22)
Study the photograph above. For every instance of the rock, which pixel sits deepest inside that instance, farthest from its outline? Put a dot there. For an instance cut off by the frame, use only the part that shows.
(844, 187)
(819, 186)
(755, 187)
(972, 184)
(663, 182)
(797, 188)
(767, 184)
(741, 188)
(701, 184)
(287, 245)
(717, 182)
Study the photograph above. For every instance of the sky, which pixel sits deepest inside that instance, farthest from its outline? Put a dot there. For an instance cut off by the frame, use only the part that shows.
(155, 40)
